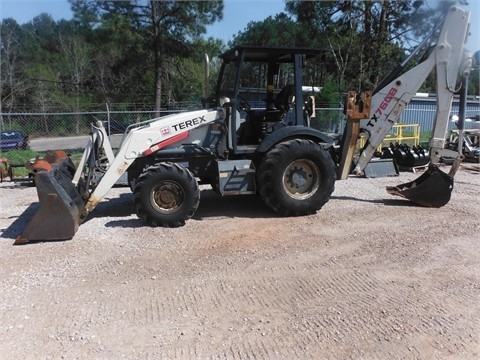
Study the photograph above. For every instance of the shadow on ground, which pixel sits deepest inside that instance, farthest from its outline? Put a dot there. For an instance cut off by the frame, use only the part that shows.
(387, 202)
(20, 223)
(211, 205)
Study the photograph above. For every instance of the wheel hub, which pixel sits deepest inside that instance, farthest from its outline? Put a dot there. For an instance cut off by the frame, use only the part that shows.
(298, 178)
(301, 179)
(167, 197)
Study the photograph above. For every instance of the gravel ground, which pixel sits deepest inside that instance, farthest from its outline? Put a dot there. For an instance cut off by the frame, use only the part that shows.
(370, 276)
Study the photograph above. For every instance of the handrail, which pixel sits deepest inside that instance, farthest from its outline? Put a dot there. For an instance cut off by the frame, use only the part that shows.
(398, 135)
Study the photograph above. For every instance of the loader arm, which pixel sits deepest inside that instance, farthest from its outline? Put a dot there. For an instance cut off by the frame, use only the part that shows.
(67, 197)
(145, 140)
(450, 60)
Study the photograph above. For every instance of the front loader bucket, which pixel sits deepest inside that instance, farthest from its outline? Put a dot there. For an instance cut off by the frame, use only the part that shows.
(61, 205)
(432, 189)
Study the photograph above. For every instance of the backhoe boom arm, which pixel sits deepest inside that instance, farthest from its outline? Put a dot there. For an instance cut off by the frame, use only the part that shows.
(450, 60)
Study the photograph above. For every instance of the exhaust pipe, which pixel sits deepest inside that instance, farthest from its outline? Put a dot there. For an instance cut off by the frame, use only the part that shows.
(61, 205)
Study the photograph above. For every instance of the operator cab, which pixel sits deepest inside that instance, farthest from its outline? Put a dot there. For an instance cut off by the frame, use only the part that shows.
(262, 88)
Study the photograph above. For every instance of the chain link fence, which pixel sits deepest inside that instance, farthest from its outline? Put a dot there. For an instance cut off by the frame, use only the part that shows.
(42, 128)
(69, 131)
(72, 124)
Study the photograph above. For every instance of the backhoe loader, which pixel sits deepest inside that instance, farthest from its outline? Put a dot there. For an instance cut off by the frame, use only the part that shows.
(253, 136)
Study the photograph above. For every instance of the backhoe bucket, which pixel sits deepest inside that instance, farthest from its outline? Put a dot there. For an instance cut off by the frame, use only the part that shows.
(431, 189)
(61, 205)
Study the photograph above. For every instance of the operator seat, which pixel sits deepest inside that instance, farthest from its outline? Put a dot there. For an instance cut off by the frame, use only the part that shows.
(282, 101)
(260, 123)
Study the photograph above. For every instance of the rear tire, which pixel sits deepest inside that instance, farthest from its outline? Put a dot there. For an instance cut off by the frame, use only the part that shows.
(166, 195)
(296, 177)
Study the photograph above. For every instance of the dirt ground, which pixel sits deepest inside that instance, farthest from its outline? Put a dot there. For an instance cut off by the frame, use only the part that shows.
(370, 276)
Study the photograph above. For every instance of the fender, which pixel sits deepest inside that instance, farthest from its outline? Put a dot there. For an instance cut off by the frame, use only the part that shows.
(296, 132)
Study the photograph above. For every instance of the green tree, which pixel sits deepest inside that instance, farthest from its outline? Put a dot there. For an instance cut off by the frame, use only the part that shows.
(277, 31)
(42, 69)
(473, 84)
(120, 63)
(363, 37)
(187, 74)
(169, 26)
(76, 65)
(42, 93)
(11, 83)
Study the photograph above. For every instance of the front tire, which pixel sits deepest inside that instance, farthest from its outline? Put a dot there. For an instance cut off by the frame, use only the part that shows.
(166, 195)
(296, 177)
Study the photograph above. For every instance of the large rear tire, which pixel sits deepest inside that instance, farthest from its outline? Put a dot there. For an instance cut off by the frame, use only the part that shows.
(296, 177)
(166, 195)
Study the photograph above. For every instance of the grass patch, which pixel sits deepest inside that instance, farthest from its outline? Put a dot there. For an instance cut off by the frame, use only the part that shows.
(19, 157)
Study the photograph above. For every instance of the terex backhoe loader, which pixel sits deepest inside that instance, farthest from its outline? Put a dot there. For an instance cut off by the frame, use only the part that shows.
(269, 150)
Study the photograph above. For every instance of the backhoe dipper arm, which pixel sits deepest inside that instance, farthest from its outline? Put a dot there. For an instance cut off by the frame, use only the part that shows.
(450, 60)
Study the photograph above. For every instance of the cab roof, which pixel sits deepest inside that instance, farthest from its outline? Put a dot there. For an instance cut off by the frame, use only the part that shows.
(267, 54)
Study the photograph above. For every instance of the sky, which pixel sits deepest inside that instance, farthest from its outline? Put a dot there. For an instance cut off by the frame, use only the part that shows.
(237, 14)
